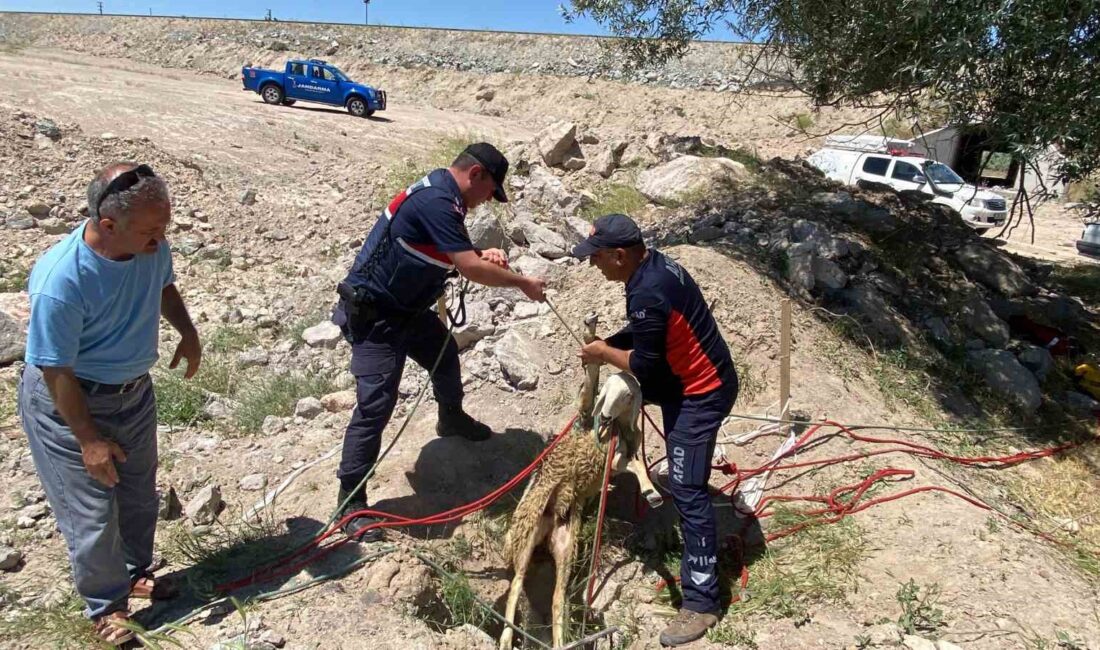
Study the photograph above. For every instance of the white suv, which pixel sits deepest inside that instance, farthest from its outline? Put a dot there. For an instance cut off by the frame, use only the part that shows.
(850, 161)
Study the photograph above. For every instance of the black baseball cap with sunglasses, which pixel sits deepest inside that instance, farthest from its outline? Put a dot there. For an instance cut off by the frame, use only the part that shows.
(494, 162)
(121, 183)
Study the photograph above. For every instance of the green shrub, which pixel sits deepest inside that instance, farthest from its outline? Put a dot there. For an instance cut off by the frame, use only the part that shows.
(276, 395)
(615, 198)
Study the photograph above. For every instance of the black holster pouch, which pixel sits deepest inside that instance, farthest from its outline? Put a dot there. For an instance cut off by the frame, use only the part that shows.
(354, 312)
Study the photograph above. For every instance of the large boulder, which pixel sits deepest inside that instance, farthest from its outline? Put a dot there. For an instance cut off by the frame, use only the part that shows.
(542, 188)
(9, 558)
(979, 317)
(557, 143)
(1038, 360)
(485, 230)
(865, 216)
(880, 321)
(308, 408)
(995, 270)
(608, 159)
(520, 359)
(824, 244)
(534, 266)
(689, 175)
(169, 507)
(204, 507)
(541, 239)
(800, 267)
(1006, 376)
(828, 274)
(325, 334)
(338, 402)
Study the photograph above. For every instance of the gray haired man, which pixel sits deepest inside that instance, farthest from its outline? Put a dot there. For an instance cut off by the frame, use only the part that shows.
(85, 397)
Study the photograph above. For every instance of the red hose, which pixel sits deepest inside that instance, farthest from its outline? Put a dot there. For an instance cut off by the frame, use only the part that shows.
(599, 519)
(283, 567)
(847, 499)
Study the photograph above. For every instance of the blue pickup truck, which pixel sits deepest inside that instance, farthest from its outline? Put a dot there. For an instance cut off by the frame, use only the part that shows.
(313, 80)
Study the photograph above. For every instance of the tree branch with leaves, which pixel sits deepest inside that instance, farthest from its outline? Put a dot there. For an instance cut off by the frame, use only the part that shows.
(1028, 70)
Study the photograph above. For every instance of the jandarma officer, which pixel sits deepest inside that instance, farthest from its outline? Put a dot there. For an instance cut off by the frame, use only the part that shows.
(385, 308)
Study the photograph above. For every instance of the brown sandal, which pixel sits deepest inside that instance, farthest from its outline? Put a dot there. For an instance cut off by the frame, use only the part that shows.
(108, 629)
(148, 587)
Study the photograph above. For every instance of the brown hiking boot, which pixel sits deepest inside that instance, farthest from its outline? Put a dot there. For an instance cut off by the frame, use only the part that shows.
(686, 627)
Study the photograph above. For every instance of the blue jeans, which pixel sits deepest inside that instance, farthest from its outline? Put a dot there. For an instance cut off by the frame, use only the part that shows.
(691, 429)
(109, 531)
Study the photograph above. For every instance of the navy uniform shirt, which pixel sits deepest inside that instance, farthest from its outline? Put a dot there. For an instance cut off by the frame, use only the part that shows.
(425, 223)
(677, 349)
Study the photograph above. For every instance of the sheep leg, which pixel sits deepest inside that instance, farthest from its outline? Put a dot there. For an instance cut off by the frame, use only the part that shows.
(586, 397)
(563, 546)
(634, 465)
(522, 562)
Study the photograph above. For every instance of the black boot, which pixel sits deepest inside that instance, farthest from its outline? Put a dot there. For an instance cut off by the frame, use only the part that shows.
(453, 421)
(353, 527)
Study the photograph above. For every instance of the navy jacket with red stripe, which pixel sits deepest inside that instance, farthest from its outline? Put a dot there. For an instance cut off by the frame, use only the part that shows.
(677, 349)
(404, 262)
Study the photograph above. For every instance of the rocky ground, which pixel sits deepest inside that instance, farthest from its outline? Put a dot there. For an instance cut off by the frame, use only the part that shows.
(720, 67)
(902, 316)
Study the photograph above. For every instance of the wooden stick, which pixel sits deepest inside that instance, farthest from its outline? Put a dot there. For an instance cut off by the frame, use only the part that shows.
(785, 361)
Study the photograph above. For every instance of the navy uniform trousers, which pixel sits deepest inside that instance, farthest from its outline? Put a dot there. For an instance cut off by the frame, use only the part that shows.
(378, 356)
(691, 430)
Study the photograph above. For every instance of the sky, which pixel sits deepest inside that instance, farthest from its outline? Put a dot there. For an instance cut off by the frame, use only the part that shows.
(504, 15)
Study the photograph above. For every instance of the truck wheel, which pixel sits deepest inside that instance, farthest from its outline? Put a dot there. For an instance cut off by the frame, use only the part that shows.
(288, 102)
(357, 107)
(272, 94)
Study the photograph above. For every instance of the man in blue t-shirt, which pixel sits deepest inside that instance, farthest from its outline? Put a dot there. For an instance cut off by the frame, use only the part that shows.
(385, 309)
(85, 398)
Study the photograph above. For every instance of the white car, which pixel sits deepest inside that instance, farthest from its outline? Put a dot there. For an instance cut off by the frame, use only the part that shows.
(873, 159)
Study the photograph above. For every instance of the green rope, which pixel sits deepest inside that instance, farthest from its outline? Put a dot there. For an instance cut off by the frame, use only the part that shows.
(401, 430)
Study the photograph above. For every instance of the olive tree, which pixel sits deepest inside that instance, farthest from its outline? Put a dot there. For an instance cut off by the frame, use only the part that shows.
(1029, 70)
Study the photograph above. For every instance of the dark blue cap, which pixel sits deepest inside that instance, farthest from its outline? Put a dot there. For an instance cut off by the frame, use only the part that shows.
(609, 231)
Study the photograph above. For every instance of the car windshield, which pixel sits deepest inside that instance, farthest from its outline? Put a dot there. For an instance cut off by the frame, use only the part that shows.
(340, 76)
(941, 174)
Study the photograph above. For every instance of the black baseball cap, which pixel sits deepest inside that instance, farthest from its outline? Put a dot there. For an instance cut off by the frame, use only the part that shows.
(494, 162)
(609, 231)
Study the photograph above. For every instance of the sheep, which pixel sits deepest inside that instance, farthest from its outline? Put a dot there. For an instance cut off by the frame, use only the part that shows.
(551, 507)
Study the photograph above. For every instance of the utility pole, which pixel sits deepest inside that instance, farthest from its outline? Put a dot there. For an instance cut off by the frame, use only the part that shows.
(100, 8)
(366, 12)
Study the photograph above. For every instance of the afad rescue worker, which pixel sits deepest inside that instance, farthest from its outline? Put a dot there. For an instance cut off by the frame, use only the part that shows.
(673, 346)
(385, 308)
